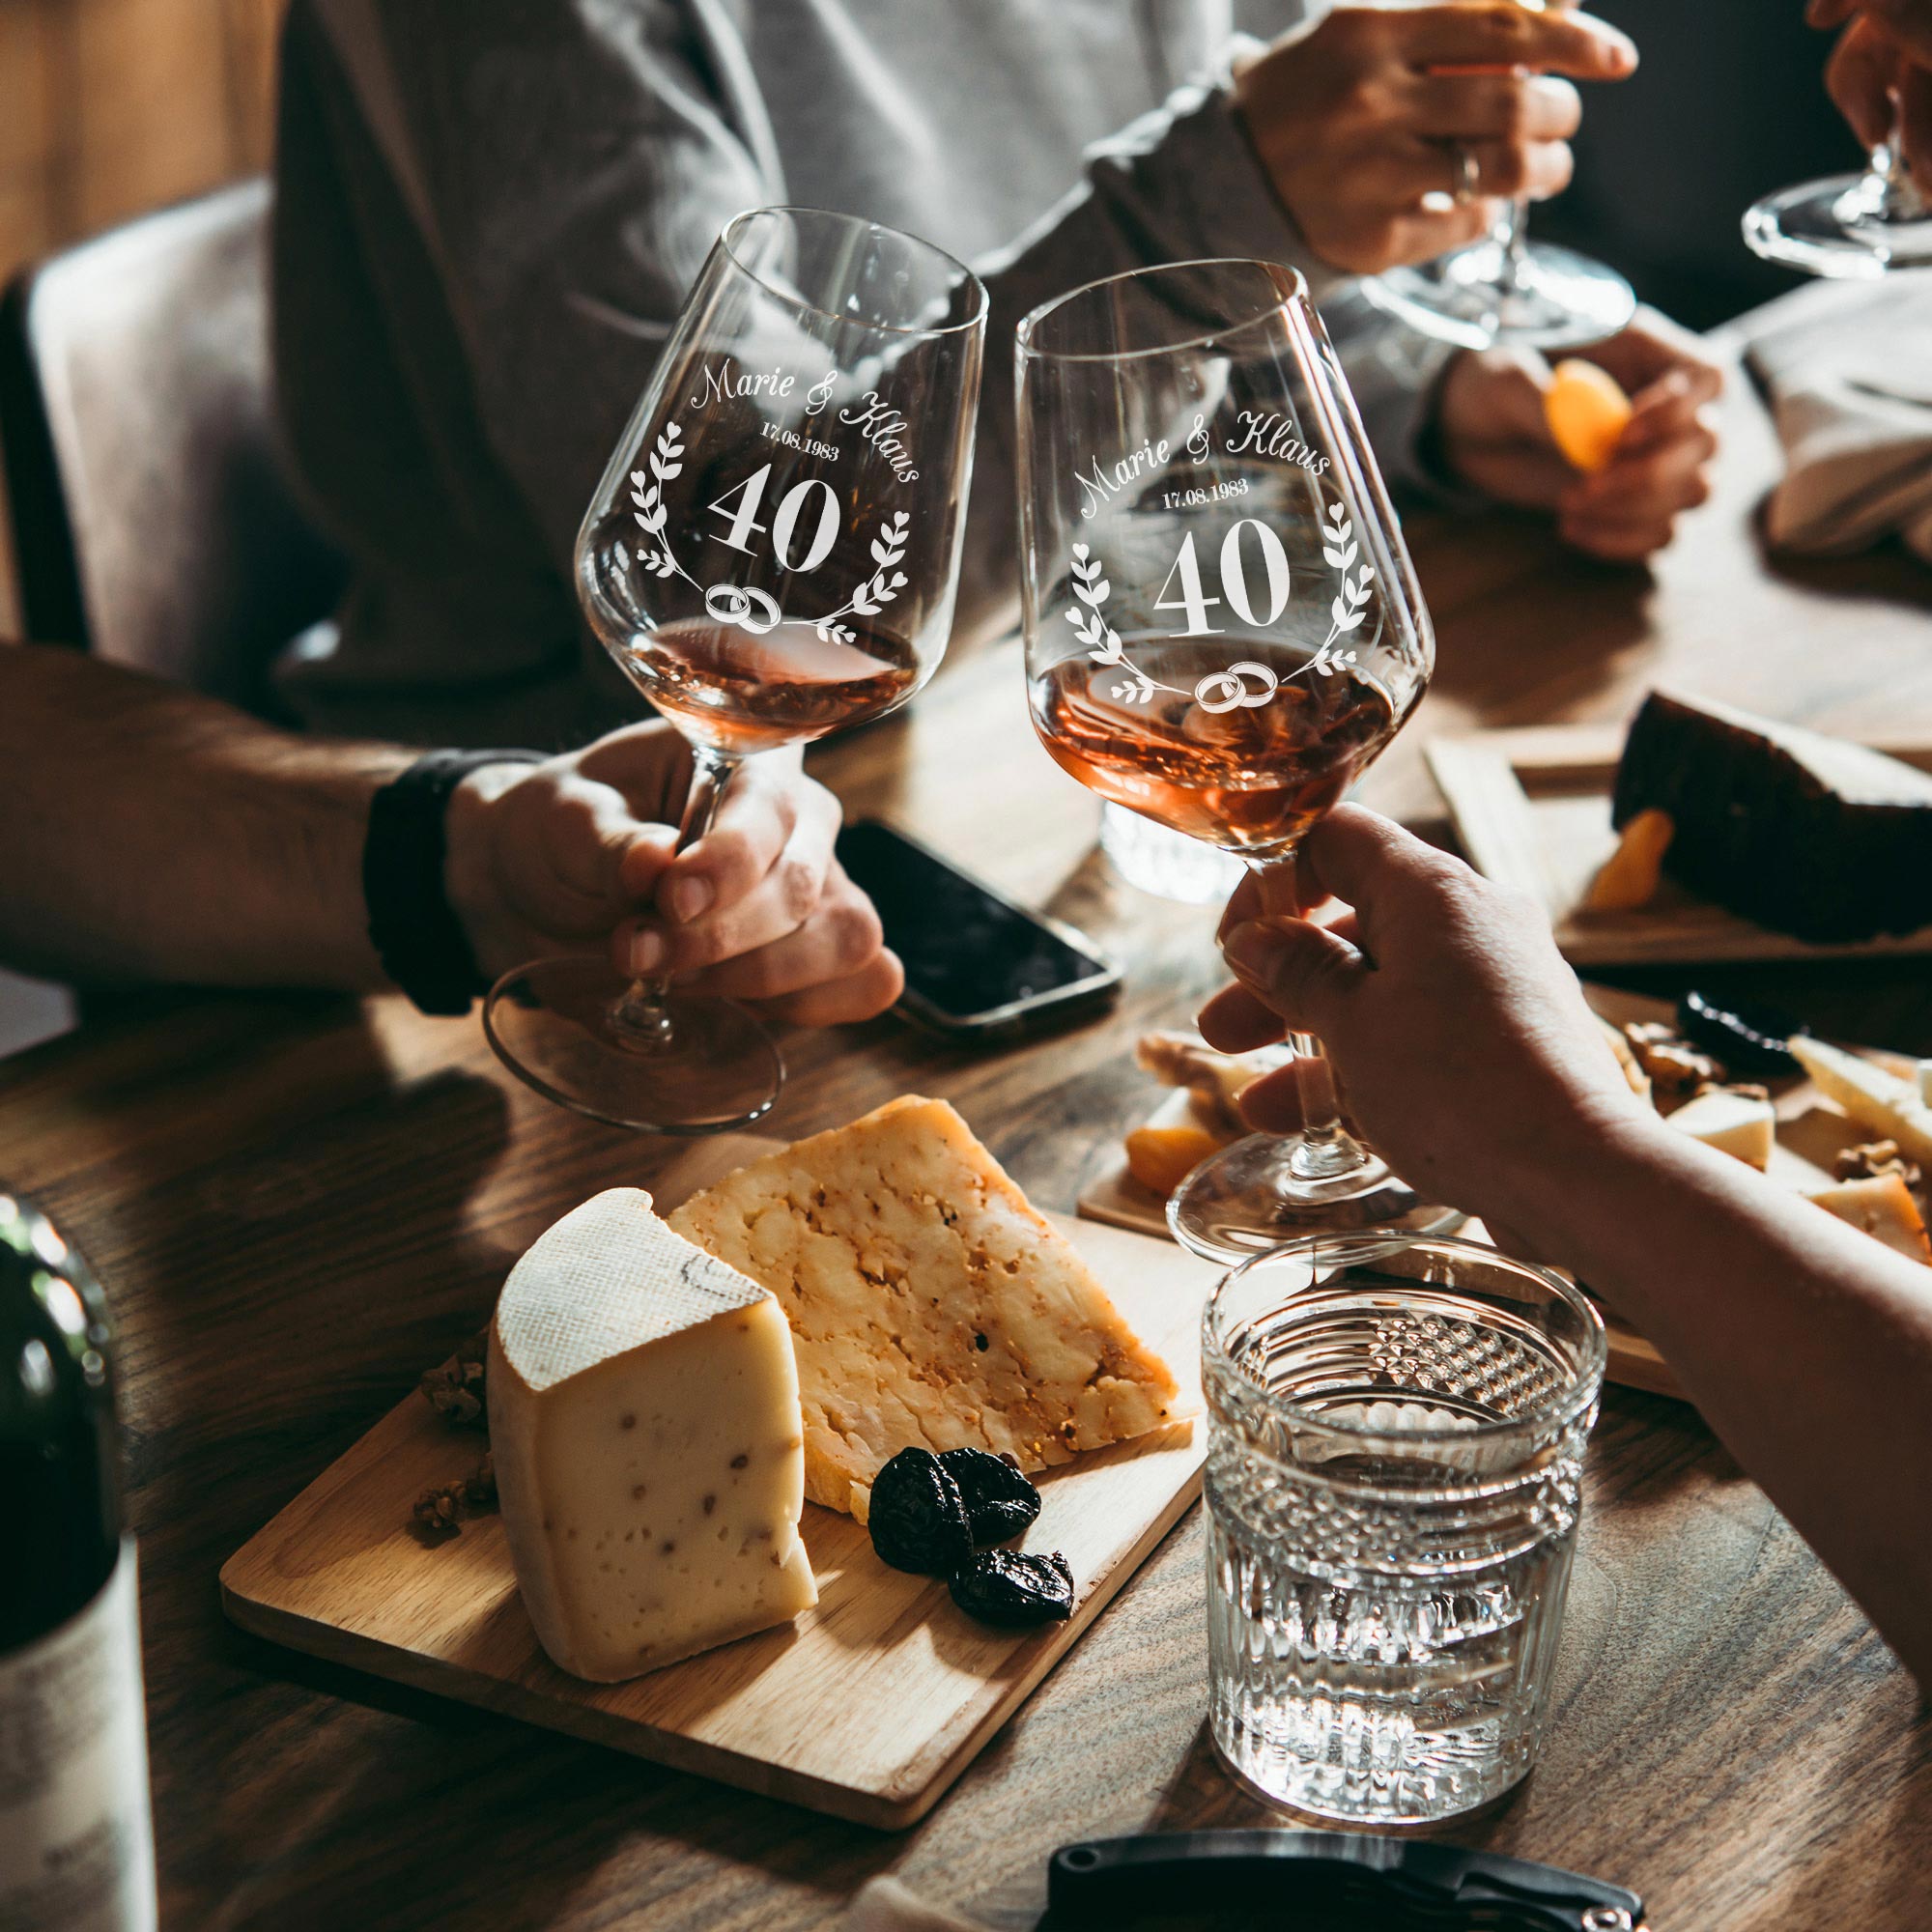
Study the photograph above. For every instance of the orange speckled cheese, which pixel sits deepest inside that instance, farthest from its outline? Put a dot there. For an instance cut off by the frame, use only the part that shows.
(929, 1304)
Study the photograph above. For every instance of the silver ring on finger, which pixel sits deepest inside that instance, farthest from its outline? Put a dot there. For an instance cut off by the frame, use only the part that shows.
(1467, 172)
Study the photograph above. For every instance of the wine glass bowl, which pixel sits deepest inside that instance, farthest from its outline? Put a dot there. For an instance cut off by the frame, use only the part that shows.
(772, 554)
(1223, 626)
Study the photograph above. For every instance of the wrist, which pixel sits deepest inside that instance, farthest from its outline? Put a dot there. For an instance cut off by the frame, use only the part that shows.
(424, 947)
(1582, 1192)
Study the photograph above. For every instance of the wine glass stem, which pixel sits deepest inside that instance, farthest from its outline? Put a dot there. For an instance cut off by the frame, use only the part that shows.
(1324, 1147)
(641, 1015)
(1508, 234)
(1896, 196)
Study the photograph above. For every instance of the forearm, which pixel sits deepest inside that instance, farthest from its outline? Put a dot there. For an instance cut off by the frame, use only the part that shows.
(150, 834)
(1806, 1346)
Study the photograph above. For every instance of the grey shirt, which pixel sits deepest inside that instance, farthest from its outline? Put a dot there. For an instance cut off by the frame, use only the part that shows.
(488, 212)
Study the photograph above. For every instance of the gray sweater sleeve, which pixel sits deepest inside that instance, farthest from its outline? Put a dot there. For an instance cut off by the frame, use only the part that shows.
(1181, 180)
(568, 168)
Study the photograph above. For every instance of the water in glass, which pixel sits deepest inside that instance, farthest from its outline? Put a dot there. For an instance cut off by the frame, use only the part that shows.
(1396, 1441)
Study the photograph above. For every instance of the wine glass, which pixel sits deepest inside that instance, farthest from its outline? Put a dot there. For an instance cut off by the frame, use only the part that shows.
(1848, 225)
(773, 552)
(1506, 288)
(1223, 627)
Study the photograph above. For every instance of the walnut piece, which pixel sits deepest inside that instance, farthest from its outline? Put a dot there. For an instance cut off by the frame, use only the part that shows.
(440, 1513)
(1870, 1160)
(1673, 1064)
(455, 1389)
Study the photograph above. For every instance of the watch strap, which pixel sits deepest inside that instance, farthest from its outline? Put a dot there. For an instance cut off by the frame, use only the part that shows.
(415, 934)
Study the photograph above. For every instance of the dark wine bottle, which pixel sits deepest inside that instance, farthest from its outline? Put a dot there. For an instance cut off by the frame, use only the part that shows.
(77, 1847)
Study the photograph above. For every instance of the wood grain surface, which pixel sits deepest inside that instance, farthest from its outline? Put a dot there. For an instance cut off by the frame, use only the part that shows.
(296, 1203)
(340, 1575)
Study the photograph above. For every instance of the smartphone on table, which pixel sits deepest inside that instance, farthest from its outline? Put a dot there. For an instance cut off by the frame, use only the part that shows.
(977, 965)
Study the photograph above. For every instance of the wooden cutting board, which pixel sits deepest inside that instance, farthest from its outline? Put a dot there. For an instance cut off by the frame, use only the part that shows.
(869, 1707)
(1532, 807)
(1811, 1131)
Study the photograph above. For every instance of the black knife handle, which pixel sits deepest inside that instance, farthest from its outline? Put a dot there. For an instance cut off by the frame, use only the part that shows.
(1402, 1883)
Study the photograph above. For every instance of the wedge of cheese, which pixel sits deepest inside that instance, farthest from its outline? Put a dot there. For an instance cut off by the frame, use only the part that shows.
(930, 1305)
(1882, 1102)
(1884, 1207)
(649, 1454)
(1740, 1124)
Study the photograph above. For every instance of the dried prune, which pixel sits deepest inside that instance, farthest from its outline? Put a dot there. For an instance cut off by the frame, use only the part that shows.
(1004, 1588)
(1001, 1503)
(918, 1517)
(1747, 1040)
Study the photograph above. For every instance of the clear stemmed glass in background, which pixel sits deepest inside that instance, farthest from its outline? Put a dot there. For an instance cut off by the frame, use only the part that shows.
(1507, 288)
(1223, 627)
(1847, 225)
(772, 554)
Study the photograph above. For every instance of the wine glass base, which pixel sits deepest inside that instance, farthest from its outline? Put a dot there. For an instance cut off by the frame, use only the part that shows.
(1550, 299)
(1835, 227)
(712, 1069)
(1245, 1201)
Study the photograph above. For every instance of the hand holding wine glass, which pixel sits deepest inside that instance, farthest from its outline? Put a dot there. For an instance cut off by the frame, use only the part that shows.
(772, 554)
(1223, 627)
(1855, 226)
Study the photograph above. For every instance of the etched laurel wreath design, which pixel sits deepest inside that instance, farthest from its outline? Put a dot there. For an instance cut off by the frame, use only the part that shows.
(735, 603)
(1247, 684)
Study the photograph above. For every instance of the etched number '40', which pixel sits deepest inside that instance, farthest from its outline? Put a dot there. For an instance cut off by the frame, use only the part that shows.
(1234, 581)
(744, 519)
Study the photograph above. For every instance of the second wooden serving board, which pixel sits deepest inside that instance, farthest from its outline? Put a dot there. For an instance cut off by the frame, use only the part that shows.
(1811, 1131)
(867, 1707)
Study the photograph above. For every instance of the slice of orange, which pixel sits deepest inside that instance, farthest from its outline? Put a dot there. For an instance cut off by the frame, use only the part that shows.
(1587, 412)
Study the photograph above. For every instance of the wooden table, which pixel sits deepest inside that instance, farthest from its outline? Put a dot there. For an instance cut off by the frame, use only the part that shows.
(298, 1204)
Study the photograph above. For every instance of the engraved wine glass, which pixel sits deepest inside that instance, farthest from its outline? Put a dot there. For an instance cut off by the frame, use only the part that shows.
(1223, 627)
(1506, 288)
(772, 554)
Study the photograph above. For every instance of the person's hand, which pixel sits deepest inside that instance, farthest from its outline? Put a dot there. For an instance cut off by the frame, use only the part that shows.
(1355, 123)
(1459, 1041)
(575, 855)
(1493, 433)
(1885, 54)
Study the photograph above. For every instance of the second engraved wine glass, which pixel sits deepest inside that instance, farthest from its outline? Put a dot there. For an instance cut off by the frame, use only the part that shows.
(1223, 627)
(772, 553)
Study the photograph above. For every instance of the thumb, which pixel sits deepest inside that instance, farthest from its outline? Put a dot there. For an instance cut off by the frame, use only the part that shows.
(1300, 971)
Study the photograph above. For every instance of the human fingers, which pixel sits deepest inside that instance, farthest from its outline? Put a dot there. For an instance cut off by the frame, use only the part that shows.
(1506, 35)
(1914, 123)
(1268, 891)
(1495, 107)
(762, 810)
(1234, 1021)
(1661, 480)
(1859, 76)
(1297, 969)
(841, 937)
(1408, 170)
(863, 995)
(1909, 22)
(1652, 348)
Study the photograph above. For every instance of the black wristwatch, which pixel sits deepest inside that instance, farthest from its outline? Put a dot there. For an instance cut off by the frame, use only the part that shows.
(417, 937)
